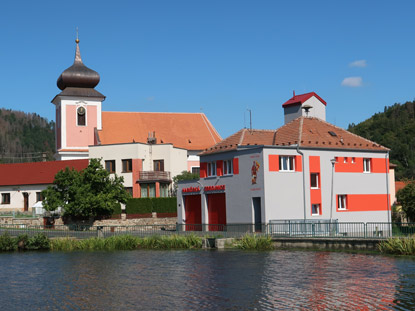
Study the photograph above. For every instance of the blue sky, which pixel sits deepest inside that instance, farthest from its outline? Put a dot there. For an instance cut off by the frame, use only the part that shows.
(219, 57)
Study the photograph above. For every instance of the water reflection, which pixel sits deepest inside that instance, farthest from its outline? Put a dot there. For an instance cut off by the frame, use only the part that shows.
(207, 280)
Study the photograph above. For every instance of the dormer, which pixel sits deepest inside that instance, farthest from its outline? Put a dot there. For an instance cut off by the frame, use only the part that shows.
(294, 107)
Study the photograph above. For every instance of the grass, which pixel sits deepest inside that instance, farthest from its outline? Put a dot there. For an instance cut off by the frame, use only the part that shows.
(254, 242)
(398, 246)
(127, 242)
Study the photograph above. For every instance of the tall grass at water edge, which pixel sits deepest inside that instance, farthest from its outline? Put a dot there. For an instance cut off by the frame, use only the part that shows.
(398, 246)
(254, 242)
(127, 242)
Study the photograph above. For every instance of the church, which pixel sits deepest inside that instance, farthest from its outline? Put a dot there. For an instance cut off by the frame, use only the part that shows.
(146, 148)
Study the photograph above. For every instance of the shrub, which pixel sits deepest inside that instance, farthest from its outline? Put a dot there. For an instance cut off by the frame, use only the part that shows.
(7, 243)
(149, 205)
(139, 206)
(117, 209)
(38, 242)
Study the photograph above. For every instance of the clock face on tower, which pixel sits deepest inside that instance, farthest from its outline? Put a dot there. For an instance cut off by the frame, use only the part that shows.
(81, 111)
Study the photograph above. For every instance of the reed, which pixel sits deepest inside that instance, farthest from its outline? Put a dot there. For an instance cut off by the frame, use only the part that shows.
(398, 246)
(127, 242)
(254, 242)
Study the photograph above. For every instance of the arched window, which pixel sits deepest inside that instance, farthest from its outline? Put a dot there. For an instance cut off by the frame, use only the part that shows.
(81, 113)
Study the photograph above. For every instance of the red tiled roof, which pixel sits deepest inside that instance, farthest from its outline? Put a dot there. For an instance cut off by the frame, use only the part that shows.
(400, 185)
(36, 173)
(303, 131)
(300, 99)
(191, 131)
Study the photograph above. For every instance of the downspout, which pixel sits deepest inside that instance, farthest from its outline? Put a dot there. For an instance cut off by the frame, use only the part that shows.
(387, 185)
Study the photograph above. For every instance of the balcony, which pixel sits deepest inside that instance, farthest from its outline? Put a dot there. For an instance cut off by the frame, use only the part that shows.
(145, 176)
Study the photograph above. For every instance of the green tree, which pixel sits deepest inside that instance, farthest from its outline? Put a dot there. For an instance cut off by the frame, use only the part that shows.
(406, 197)
(184, 175)
(85, 194)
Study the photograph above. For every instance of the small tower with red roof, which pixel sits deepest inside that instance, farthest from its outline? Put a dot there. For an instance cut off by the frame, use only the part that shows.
(304, 105)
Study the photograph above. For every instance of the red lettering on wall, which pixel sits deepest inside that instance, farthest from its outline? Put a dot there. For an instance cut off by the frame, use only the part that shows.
(191, 189)
(214, 188)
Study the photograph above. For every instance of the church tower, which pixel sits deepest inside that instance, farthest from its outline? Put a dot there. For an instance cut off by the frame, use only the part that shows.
(78, 110)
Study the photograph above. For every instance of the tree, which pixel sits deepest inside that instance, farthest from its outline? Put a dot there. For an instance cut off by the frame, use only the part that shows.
(85, 194)
(184, 175)
(406, 197)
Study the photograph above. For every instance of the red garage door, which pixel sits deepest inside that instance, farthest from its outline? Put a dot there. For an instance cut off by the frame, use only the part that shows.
(193, 210)
(217, 211)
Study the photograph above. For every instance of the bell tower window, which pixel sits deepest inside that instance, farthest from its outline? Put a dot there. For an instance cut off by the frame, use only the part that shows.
(81, 113)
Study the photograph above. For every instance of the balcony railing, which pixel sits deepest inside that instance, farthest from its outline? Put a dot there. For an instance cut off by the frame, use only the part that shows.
(154, 176)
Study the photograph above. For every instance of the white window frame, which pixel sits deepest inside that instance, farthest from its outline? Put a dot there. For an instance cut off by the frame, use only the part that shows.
(342, 202)
(317, 210)
(211, 169)
(228, 167)
(318, 180)
(287, 163)
(367, 165)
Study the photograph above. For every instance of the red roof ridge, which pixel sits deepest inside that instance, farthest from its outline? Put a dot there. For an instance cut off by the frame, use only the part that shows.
(299, 99)
(201, 113)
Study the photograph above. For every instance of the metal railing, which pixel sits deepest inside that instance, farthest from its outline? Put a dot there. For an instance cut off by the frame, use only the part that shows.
(285, 229)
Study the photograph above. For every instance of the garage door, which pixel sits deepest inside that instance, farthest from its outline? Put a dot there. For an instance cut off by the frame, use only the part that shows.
(193, 212)
(216, 211)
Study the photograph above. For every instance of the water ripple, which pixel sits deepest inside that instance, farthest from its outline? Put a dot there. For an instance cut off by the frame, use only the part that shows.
(205, 280)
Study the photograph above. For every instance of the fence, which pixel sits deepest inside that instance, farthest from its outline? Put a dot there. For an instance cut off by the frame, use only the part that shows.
(286, 229)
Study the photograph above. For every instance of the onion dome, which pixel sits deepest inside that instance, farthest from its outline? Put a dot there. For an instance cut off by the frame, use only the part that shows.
(78, 75)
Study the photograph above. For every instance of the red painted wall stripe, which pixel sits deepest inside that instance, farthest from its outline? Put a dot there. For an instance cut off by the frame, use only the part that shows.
(364, 203)
(315, 194)
(219, 168)
(298, 164)
(273, 162)
(380, 165)
(137, 167)
(235, 166)
(203, 169)
(314, 162)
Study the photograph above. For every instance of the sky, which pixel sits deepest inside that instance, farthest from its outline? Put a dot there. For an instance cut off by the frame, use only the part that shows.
(219, 57)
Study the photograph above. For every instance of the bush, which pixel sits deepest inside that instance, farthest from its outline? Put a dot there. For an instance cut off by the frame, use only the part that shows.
(149, 205)
(7, 243)
(139, 206)
(38, 242)
(117, 209)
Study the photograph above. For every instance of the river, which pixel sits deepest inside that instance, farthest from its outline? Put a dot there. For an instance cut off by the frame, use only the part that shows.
(205, 280)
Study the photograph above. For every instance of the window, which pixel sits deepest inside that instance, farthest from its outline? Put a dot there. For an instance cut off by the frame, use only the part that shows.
(315, 209)
(164, 190)
(196, 170)
(39, 197)
(148, 190)
(129, 190)
(211, 169)
(5, 198)
(314, 182)
(287, 163)
(110, 166)
(342, 198)
(159, 165)
(345, 159)
(227, 167)
(127, 166)
(366, 165)
(81, 116)
(353, 160)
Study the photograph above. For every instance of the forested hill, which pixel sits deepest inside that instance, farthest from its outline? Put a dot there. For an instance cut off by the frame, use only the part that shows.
(25, 136)
(394, 128)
